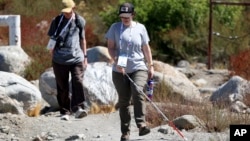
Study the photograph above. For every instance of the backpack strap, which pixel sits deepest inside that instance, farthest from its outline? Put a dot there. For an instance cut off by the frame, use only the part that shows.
(57, 19)
(78, 24)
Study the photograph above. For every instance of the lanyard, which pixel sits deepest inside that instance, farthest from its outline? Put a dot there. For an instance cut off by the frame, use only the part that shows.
(64, 28)
(129, 40)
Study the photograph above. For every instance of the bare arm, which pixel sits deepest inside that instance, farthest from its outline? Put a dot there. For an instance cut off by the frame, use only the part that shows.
(112, 50)
(148, 56)
(84, 49)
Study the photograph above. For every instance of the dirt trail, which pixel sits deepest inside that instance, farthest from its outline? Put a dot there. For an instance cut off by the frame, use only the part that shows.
(96, 127)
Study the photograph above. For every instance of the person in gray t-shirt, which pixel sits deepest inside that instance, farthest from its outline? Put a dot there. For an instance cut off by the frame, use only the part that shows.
(69, 57)
(128, 45)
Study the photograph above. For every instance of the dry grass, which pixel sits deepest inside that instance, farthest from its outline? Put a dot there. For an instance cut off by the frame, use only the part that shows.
(101, 109)
(34, 112)
(215, 118)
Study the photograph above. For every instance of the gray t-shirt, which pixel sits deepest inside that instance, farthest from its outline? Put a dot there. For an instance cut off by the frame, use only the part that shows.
(131, 40)
(68, 50)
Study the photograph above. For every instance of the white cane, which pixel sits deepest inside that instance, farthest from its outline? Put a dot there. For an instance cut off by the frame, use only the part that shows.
(166, 119)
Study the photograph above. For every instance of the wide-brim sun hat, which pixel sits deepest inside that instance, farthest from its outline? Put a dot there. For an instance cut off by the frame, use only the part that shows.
(126, 10)
(68, 6)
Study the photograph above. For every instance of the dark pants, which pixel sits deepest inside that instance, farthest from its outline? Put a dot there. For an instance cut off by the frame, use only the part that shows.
(69, 102)
(127, 90)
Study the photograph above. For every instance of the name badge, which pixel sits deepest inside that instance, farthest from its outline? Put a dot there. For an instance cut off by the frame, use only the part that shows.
(51, 44)
(122, 60)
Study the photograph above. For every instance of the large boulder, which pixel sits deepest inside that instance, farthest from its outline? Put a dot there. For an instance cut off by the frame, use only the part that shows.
(98, 54)
(233, 93)
(98, 85)
(18, 95)
(13, 59)
(229, 92)
(178, 83)
(47, 86)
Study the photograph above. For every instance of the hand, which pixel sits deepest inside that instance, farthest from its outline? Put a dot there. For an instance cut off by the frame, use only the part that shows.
(120, 69)
(51, 51)
(150, 72)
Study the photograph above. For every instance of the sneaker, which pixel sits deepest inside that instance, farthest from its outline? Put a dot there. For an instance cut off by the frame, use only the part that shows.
(125, 137)
(144, 131)
(80, 113)
(65, 117)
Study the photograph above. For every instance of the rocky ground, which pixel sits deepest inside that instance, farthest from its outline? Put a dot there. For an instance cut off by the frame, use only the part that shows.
(96, 127)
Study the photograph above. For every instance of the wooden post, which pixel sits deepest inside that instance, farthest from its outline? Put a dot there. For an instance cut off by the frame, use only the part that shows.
(209, 63)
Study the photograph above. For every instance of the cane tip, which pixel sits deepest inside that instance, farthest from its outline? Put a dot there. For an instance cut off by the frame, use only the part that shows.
(185, 139)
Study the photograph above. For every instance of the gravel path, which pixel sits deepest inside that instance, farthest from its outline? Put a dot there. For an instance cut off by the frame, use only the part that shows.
(98, 127)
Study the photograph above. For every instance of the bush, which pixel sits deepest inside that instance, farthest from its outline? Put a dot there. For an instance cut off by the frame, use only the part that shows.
(240, 64)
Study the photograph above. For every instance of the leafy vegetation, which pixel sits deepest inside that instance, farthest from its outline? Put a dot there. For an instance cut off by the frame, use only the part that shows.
(177, 29)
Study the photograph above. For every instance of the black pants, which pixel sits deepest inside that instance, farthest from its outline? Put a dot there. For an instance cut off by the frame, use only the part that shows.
(69, 102)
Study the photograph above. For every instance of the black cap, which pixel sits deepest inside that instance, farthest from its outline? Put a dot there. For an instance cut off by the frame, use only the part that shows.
(126, 10)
